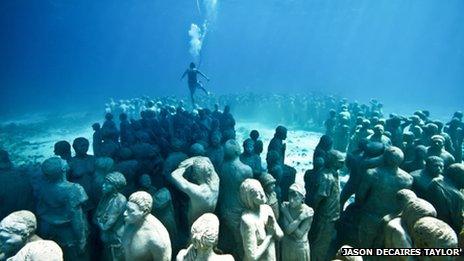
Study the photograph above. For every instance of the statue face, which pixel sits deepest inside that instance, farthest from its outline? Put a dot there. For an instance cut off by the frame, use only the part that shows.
(437, 144)
(295, 199)
(133, 213)
(108, 187)
(10, 242)
(259, 196)
(437, 168)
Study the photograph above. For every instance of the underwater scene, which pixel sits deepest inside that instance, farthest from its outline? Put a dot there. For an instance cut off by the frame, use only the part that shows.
(231, 130)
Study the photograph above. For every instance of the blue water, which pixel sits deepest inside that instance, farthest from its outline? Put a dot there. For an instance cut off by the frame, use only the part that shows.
(63, 54)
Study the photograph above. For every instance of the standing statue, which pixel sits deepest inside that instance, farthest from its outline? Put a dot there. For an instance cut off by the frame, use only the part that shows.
(325, 200)
(250, 158)
(59, 210)
(437, 149)
(204, 234)
(377, 194)
(232, 174)
(269, 185)
(258, 227)
(297, 218)
(202, 188)
(109, 215)
(277, 142)
(144, 237)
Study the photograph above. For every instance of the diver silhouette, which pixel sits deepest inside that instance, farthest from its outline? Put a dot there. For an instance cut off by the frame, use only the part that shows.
(193, 82)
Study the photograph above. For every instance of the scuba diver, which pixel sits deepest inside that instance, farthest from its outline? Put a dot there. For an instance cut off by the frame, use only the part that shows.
(193, 82)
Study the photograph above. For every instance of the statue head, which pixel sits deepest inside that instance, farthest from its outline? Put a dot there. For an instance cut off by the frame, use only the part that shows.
(54, 169)
(455, 173)
(431, 129)
(231, 149)
(62, 149)
(104, 164)
(205, 232)
(138, 207)
(254, 134)
(413, 208)
(281, 132)
(420, 152)
(430, 232)
(437, 142)
(197, 149)
(268, 182)
(15, 230)
(296, 195)
(81, 146)
(108, 116)
(252, 194)
(379, 130)
(145, 181)
(203, 171)
(96, 126)
(393, 156)
(113, 183)
(325, 143)
(123, 116)
(334, 160)
(215, 138)
(248, 146)
(434, 166)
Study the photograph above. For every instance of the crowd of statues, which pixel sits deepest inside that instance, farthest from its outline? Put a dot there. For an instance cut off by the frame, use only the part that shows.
(173, 184)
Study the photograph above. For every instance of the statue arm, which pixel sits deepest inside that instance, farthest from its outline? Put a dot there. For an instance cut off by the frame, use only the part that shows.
(177, 177)
(252, 250)
(113, 214)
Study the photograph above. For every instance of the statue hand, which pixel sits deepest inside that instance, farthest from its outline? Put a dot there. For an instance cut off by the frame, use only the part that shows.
(269, 226)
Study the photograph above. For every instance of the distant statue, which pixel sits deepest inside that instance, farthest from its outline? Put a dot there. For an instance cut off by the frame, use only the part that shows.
(144, 237)
(277, 142)
(82, 168)
(434, 167)
(16, 230)
(204, 239)
(297, 218)
(97, 139)
(109, 214)
(215, 152)
(60, 210)
(193, 82)
(258, 144)
(202, 188)
(258, 227)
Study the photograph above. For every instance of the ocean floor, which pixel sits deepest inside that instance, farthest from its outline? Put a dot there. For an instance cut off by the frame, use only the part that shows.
(30, 138)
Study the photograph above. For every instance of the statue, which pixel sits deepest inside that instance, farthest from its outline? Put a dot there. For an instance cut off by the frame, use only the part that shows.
(203, 189)
(42, 250)
(232, 174)
(82, 168)
(258, 144)
(59, 210)
(436, 149)
(16, 230)
(325, 200)
(215, 151)
(269, 185)
(144, 237)
(277, 143)
(62, 149)
(258, 227)
(109, 214)
(250, 158)
(377, 194)
(204, 239)
(297, 218)
(422, 178)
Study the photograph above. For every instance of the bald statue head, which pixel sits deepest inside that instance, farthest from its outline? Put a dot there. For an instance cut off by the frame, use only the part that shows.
(15, 231)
